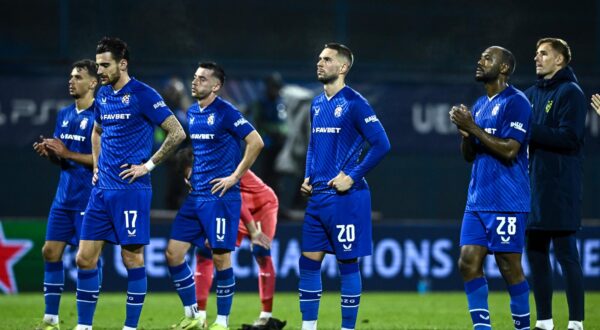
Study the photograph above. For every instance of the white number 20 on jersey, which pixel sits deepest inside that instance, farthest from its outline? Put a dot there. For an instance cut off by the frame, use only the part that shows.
(346, 233)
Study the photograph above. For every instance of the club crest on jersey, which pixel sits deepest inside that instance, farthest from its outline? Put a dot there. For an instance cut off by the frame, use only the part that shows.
(83, 123)
(65, 123)
(338, 111)
(125, 99)
(495, 109)
(211, 119)
(316, 109)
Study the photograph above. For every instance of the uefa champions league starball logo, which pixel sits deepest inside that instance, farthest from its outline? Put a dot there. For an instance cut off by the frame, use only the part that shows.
(338, 111)
(83, 123)
(211, 119)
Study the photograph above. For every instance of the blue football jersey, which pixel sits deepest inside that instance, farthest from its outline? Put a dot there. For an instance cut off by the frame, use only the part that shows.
(339, 128)
(216, 132)
(497, 185)
(127, 117)
(74, 129)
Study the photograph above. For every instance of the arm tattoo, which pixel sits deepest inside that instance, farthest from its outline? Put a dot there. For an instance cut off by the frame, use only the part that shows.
(175, 135)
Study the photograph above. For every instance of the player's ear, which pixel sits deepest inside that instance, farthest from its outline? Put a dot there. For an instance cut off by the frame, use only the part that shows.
(504, 69)
(93, 83)
(344, 68)
(123, 65)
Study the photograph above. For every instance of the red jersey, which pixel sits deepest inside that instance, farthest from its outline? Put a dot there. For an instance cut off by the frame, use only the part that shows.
(255, 195)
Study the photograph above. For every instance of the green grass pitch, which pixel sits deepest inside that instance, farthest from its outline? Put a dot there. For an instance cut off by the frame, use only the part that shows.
(377, 311)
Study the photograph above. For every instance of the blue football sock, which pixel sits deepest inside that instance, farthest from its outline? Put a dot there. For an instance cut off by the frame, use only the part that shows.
(310, 288)
(183, 279)
(477, 296)
(351, 289)
(137, 285)
(519, 304)
(87, 295)
(225, 291)
(54, 282)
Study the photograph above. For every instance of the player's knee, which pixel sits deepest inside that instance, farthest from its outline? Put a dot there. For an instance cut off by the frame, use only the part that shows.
(221, 259)
(467, 267)
(173, 256)
(132, 259)
(51, 253)
(85, 261)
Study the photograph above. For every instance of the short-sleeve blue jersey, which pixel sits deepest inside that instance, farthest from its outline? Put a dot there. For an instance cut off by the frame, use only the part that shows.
(74, 129)
(497, 185)
(127, 117)
(339, 128)
(216, 132)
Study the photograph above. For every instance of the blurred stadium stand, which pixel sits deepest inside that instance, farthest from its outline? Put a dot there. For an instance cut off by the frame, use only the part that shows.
(413, 60)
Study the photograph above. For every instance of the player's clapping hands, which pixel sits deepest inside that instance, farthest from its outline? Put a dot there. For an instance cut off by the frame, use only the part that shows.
(596, 103)
(223, 184)
(133, 172)
(40, 147)
(462, 118)
(341, 183)
(57, 147)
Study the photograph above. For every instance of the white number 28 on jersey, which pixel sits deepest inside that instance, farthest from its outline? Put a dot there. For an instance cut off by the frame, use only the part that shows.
(511, 228)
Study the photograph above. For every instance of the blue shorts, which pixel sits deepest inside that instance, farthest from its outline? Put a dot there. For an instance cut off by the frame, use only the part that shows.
(118, 216)
(339, 224)
(499, 232)
(216, 221)
(64, 225)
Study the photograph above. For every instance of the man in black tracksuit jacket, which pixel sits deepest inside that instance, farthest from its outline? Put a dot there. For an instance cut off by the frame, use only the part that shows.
(556, 166)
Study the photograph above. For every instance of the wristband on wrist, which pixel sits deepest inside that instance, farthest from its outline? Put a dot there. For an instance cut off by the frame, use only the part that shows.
(149, 165)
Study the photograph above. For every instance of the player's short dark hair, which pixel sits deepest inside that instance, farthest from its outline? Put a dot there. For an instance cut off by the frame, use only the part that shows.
(343, 50)
(508, 58)
(117, 47)
(217, 70)
(558, 45)
(88, 65)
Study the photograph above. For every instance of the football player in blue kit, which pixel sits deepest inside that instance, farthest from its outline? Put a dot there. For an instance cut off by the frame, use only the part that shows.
(71, 149)
(495, 134)
(118, 211)
(211, 212)
(338, 215)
